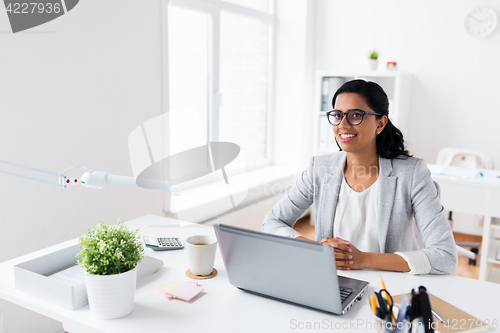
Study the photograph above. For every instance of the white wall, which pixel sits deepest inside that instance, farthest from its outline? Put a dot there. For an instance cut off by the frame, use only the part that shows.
(71, 91)
(454, 97)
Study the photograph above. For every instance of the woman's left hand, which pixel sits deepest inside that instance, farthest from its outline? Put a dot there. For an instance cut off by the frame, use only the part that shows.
(356, 259)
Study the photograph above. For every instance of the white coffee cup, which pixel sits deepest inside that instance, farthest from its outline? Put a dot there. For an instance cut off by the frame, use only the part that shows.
(201, 254)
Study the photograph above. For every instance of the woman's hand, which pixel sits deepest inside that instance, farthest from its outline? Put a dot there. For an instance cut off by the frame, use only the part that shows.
(359, 259)
(348, 257)
(343, 252)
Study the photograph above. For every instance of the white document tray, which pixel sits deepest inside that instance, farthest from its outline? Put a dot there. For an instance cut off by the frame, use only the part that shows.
(31, 277)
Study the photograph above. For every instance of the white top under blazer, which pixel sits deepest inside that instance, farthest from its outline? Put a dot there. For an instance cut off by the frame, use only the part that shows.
(356, 217)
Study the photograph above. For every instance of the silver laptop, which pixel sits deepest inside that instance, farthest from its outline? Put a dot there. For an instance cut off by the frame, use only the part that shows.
(286, 269)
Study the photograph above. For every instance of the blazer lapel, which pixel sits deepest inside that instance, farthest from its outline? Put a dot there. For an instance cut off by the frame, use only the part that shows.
(330, 195)
(386, 200)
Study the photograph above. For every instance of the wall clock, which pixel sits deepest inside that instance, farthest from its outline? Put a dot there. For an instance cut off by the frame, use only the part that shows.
(480, 21)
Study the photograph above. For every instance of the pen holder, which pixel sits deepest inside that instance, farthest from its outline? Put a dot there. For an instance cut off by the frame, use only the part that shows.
(401, 326)
(382, 326)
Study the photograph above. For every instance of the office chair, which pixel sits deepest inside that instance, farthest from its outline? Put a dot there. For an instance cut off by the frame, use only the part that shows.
(469, 159)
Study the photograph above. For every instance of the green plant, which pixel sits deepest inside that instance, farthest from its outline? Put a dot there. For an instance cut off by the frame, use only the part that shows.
(107, 250)
(373, 54)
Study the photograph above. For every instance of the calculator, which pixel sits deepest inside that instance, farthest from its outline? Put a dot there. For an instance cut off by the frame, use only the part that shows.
(163, 243)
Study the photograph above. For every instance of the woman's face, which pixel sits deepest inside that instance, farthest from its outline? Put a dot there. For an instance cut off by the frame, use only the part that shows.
(360, 138)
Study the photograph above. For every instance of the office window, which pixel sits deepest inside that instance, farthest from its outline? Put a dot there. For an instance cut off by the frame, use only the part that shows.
(243, 83)
(218, 73)
(188, 78)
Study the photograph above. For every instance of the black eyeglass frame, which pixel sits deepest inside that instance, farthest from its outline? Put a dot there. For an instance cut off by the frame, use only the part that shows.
(347, 113)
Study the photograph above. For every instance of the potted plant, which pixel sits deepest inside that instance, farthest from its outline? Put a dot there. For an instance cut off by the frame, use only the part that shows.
(109, 255)
(373, 60)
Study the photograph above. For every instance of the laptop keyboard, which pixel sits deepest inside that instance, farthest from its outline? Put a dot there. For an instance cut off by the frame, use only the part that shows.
(344, 293)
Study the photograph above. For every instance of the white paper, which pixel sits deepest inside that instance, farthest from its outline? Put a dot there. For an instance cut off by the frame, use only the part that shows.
(70, 276)
(454, 171)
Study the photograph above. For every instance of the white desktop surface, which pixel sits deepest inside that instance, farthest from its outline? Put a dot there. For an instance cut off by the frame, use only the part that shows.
(224, 308)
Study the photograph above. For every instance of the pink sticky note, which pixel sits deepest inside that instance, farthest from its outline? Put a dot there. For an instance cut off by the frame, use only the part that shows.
(164, 289)
(164, 293)
(185, 291)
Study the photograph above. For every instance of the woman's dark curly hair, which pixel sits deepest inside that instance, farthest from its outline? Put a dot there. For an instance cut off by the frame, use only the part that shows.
(390, 143)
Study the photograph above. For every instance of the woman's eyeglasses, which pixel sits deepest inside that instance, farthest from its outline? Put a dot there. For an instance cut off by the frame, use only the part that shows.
(354, 116)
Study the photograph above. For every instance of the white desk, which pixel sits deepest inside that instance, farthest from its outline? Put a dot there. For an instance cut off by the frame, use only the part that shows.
(224, 308)
(477, 196)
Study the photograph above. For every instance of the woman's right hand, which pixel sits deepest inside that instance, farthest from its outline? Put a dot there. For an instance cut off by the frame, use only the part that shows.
(343, 258)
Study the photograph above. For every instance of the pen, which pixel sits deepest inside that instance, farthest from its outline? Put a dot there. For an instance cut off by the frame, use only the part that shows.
(373, 303)
(383, 284)
(383, 287)
(438, 317)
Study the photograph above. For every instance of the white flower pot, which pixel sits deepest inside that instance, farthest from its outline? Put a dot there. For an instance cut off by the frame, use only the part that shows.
(111, 296)
(372, 64)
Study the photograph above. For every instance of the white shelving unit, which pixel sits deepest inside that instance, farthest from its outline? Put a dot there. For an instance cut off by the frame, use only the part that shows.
(395, 84)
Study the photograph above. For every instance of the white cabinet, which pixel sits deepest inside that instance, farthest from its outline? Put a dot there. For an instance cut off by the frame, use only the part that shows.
(395, 84)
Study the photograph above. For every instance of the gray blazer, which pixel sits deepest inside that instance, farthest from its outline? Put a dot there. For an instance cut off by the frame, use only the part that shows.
(407, 196)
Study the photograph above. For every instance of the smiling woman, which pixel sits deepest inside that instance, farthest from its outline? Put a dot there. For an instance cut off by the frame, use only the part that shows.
(370, 196)
(369, 96)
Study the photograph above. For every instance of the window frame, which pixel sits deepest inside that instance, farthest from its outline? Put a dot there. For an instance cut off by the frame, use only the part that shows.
(213, 9)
